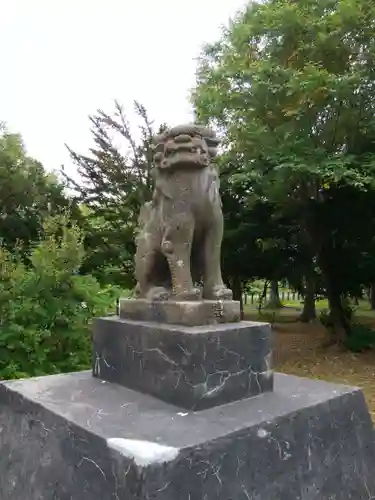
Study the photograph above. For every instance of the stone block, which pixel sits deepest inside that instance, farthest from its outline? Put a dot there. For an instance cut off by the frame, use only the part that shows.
(74, 437)
(193, 367)
(188, 313)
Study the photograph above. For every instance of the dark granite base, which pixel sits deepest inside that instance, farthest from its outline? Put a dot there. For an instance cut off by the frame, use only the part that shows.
(74, 437)
(192, 367)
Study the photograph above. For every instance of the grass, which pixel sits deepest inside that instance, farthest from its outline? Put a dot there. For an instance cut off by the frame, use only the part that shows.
(299, 350)
(292, 307)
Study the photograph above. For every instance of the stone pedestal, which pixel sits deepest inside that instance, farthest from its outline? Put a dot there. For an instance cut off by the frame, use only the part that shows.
(181, 408)
(75, 437)
(193, 367)
(188, 313)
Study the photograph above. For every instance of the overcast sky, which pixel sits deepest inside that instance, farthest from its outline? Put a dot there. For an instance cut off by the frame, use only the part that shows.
(63, 59)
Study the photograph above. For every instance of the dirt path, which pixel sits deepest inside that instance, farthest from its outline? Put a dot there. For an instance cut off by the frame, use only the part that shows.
(299, 351)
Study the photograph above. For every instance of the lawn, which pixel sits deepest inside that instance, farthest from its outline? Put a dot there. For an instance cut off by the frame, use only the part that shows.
(299, 350)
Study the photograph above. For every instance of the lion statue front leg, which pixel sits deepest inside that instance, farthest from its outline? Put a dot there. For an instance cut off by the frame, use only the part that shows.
(162, 260)
(176, 247)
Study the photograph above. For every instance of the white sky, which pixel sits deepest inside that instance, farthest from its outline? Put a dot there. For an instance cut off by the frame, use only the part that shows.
(63, 59)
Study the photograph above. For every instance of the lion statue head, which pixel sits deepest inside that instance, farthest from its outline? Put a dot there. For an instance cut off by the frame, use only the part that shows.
(185, 147)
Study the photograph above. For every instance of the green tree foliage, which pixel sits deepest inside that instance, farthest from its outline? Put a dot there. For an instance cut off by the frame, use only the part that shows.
(114, 181)
(46, 308)
(291, 84)
(27, 193)
(258, 243)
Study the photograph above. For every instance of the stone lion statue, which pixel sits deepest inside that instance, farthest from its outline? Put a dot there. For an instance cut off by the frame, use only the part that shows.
(180, 231)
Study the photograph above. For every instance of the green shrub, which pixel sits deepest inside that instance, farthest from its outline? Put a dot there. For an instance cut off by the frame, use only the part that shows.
(46, 309)
(362, 338)
(326, 319)
(325, 316)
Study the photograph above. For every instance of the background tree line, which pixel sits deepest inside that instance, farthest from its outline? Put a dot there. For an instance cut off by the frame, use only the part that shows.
(289, 86)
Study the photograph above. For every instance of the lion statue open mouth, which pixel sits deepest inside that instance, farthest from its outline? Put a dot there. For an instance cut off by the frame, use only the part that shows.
(181, 229)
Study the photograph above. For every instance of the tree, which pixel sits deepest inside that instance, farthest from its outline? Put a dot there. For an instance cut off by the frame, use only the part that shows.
(115, 179)
(274, 300)
(255, 243)
(292, 84)
(27, 193)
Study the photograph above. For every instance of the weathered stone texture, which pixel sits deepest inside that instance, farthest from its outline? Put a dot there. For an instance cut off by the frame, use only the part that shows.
(74, 437)
(181, 228)
(188, 313)
(194, 367)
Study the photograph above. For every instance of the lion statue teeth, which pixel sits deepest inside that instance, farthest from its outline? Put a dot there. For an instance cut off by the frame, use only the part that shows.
(180, 231)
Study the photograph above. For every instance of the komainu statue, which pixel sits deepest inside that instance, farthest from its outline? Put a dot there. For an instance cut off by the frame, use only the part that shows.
(181, 229)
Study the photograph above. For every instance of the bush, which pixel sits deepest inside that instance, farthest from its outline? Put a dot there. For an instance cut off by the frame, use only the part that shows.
(361, 339)
(46, 308)
(326, 319)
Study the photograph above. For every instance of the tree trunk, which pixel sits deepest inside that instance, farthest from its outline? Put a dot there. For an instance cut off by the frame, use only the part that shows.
(341, 325)
(262, 297)
(309, 311)
(372, 296)
(321, 242)
(340, 322)
(274, 302)
(237, 293)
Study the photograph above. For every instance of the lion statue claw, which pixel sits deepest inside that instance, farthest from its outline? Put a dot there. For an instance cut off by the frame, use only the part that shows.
(180, 231)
